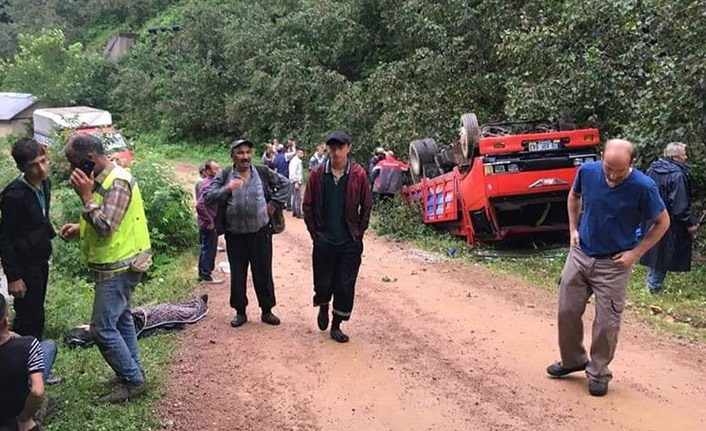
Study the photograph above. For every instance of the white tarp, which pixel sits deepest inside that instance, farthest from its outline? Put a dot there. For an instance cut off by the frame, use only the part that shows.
(47, 120)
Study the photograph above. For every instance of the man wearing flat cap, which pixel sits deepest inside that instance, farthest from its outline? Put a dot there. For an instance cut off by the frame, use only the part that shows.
(248, 198)
(337, 208)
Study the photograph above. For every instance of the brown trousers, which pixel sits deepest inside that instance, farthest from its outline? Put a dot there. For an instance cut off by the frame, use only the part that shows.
(581, 277)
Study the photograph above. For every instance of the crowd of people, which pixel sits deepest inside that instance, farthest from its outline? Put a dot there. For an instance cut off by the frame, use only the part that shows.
(617, 217)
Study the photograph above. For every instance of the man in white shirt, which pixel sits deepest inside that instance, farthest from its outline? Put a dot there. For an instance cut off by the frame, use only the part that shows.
(318, 157)
(295, 178)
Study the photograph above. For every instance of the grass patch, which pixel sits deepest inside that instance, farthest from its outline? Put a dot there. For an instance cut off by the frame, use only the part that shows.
(191, 151)
(680, 309)
(69, 303)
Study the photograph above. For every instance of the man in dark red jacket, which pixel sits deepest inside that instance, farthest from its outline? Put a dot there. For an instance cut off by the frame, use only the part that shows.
(337, 208)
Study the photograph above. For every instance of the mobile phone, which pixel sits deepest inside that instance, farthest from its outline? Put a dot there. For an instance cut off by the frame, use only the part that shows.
(87, 166)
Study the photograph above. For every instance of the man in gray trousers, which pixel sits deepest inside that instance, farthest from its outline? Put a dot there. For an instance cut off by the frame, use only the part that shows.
(615, 199)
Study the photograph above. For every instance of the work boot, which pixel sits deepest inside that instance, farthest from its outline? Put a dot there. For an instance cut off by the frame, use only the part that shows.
(239, 320)
(270, 318)
(322, 319)
(558, 370)
(125, 391)
(336, 332)
(597, 388)
(338, 335)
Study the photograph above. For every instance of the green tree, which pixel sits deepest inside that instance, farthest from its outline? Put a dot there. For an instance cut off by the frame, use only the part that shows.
(47, 68)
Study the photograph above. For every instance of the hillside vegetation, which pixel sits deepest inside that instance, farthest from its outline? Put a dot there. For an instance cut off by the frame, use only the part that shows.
(389, 71)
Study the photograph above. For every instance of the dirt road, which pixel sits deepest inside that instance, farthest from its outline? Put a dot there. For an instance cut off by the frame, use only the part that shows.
(441, 346)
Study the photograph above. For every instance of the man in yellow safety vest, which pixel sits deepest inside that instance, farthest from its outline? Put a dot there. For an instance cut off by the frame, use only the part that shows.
(115, 245)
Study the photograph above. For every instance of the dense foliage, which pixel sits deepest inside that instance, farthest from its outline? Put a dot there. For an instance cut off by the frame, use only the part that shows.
(389, 71)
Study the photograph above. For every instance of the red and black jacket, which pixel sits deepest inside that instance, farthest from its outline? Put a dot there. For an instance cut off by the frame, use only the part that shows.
(358, 202)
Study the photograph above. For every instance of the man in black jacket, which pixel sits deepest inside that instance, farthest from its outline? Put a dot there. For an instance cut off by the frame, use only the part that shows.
(673, 251)
(25, 236)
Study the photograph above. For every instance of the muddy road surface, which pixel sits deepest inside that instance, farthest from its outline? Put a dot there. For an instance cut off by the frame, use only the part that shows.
(435, 345)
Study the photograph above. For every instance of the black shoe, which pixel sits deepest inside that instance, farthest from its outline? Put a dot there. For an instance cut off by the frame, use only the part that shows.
(558, 370)
(239, 320)
(270, 319)
(322, 319)
(597, 388)
(339, 336)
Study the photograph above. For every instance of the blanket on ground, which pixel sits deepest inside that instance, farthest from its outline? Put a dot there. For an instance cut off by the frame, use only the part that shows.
(148, 320)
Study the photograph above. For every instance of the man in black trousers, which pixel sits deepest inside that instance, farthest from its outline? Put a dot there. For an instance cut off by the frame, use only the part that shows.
(337, 207)
(25, 236)
(246, 196)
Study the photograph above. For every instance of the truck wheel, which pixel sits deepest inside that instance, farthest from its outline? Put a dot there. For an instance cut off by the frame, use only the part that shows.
(469, 134)
(422, 152)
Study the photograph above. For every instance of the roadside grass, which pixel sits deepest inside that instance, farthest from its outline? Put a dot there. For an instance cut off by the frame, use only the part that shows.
(679, 310)
(69, 304)
(189, 151)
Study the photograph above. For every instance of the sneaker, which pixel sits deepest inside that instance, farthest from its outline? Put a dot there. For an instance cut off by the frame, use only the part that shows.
(558, 370)
(210, 280)
(270, 319)
(125, 391)
(597, 388)
(53, 379)
(239, 320)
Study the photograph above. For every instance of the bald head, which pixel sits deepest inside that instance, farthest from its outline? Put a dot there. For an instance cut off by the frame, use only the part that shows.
(619, 148)
(617, 158)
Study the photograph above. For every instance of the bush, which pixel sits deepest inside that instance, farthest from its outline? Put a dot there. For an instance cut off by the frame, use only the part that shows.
(8, 170)
(399, 221)
(167, 206)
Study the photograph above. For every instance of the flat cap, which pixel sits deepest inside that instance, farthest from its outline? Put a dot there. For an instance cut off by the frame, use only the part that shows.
(239, 142)
(338, 137)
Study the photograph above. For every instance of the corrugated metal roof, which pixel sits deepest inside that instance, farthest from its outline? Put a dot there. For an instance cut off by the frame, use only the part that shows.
(12, 104)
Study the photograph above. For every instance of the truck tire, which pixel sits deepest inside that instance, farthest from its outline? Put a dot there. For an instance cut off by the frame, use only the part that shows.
(469, 134)
(421, 152)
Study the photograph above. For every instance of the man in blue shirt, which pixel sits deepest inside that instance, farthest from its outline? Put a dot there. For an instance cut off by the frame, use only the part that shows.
(616, 198)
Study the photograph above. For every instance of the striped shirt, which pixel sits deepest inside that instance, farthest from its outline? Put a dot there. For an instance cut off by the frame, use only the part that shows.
(35, 362)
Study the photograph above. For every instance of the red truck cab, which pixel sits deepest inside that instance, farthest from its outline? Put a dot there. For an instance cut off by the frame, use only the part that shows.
(503, 184)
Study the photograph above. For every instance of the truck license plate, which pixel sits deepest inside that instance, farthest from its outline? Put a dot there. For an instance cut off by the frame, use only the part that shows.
(544, 145)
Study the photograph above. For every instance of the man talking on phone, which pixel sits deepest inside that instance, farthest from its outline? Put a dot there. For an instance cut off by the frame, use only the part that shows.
(115, 245)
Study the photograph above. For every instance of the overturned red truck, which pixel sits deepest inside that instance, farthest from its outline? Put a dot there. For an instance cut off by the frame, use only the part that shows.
(499, 180)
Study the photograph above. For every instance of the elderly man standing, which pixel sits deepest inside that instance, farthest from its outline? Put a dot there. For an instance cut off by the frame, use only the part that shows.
(615, 198)
(247, 197)
(337, 208)
(673, 252)
(115, 245)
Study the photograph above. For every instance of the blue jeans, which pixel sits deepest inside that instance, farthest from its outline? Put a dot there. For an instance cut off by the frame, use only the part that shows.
(49, 352)
(207, 258)
(655, 278)
(112, 327)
